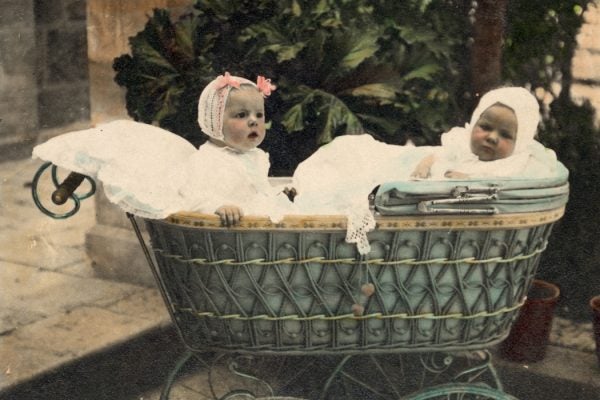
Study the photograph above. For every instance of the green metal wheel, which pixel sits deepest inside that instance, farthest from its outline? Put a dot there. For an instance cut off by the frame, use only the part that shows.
(460, 391)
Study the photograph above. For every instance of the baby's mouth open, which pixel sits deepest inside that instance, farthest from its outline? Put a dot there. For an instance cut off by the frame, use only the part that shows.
(253, 135)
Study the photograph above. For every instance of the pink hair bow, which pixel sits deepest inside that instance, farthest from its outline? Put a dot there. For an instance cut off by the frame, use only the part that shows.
(265, 86)
(225, 80)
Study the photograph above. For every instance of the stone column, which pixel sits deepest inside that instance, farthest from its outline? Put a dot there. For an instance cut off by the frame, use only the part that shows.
(63, 85)
(111, 243)
(18, 82)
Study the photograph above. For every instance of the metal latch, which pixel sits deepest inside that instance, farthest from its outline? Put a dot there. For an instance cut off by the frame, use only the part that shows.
(462, 195)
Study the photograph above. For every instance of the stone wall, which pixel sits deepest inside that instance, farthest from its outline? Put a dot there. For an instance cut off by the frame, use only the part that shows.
(43, 70)
(63, 86)
(18, 92)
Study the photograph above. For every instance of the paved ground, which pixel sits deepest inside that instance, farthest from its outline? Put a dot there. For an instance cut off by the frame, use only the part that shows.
(52, 308)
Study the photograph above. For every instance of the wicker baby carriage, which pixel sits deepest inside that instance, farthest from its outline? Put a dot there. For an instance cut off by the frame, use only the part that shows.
(450, 266)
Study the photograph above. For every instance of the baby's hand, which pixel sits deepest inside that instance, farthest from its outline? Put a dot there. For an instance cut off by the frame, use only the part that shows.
(422, 172)
(423, 169)
(230, 215)
(455, 175)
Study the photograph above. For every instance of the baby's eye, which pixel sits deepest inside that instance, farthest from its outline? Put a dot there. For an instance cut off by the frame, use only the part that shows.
(506, 135)
(260, 115)
(241, 114)
(485, 127)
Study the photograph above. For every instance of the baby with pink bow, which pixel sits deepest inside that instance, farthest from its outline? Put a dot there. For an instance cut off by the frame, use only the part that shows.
(229, 173)
(152, 173)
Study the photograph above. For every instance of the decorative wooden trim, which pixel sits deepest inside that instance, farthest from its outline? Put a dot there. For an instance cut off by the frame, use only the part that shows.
(395, 223)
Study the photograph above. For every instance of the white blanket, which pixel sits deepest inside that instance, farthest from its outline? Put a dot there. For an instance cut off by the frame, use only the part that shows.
(153, 173)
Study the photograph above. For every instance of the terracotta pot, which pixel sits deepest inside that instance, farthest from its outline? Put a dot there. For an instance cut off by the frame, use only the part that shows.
(528, 338)
(595, 305)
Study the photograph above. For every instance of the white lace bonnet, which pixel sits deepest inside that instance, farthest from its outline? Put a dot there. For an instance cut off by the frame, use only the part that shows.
(211, 105)
(525, 107)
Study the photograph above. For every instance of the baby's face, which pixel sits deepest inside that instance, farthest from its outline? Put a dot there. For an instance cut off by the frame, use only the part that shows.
(244, 118)
(494, 135)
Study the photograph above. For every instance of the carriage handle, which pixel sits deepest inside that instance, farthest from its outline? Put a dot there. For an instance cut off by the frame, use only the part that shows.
(63, 192)
(462, 195)
(66, 188)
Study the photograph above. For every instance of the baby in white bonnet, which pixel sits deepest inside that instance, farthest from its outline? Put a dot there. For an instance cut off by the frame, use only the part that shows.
(229, 173)
(499, 141)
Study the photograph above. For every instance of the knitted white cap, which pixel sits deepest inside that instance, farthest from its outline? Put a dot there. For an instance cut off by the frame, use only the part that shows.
(213, 99)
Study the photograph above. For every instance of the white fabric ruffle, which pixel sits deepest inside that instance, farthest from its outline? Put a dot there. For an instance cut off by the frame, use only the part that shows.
(338, 178)
(152, 173)
(140, 166)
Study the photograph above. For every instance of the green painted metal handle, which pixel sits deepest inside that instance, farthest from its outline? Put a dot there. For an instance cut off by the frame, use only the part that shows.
(63, 192)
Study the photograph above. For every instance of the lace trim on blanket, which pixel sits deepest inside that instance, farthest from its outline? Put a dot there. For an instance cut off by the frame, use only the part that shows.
(360, 222)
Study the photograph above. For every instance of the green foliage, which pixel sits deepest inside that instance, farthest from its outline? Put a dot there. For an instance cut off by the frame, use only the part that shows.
(341, 67)
(573, 253)
(164, 74)
(543, 32)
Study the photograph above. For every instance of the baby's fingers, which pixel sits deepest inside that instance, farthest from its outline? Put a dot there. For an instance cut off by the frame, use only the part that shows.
(235, 216)
(230, 215)
(223, 216)
(455, 175)
(419, 174)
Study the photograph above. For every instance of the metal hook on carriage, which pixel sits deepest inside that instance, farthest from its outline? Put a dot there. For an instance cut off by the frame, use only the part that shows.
(64, 191)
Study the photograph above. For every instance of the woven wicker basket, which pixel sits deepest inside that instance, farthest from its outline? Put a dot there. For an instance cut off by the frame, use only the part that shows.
(441, 282)
(450, 264)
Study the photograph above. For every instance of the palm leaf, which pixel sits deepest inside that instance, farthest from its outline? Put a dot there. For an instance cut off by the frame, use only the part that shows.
(151, 57)
(426, 72)
(362, 47)
(382, 92)
(293, 119)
